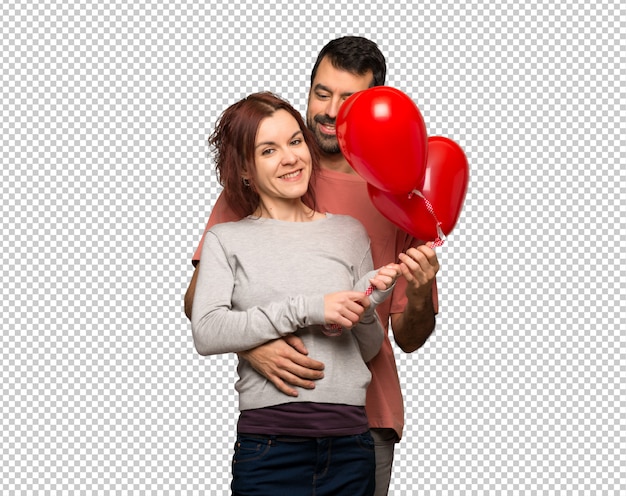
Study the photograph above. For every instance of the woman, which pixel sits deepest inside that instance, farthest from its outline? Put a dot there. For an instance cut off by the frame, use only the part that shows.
(286, 268)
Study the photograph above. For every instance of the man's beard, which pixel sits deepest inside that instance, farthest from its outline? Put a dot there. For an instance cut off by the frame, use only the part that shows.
(327, 143)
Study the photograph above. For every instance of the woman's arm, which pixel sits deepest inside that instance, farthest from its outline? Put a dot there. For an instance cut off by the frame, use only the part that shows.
(217, 328)
(369, 335)
(369, 331)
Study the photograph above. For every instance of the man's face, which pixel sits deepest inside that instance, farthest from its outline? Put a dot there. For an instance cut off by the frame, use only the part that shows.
(330, 89)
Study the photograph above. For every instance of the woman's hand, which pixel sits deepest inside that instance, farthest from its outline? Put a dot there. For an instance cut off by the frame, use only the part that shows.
(386, 276)
(345, 307)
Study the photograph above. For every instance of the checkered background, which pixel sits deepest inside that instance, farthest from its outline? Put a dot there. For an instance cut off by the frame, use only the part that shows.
(107, 184)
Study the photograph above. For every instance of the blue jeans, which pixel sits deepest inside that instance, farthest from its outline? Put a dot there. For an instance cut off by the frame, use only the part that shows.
(281, 465)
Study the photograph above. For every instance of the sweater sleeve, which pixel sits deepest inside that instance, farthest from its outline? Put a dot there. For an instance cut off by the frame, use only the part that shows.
(369, 332)
(217, 328)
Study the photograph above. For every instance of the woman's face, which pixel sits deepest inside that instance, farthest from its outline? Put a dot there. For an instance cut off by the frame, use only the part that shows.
(282, 158)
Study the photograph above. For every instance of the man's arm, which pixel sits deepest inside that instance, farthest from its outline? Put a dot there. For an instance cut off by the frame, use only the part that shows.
(412, 328)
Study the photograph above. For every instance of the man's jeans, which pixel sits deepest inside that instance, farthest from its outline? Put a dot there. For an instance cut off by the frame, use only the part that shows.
(385, 441)
(277, 465)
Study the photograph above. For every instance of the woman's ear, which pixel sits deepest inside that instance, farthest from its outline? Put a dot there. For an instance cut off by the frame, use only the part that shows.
(245, 177)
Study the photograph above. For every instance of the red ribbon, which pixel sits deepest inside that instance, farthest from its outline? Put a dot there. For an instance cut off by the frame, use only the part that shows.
(441, 237)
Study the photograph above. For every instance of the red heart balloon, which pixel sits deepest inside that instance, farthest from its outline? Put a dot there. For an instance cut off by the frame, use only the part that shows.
(444, 188)
(382, 134)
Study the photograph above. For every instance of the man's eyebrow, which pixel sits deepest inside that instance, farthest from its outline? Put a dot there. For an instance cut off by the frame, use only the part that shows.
(264, 143)
(321, 87)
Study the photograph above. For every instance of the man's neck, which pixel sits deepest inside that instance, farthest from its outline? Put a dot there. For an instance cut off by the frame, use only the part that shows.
(336, 162)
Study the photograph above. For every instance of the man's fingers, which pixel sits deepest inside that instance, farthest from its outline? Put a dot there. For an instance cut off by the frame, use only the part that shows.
(288, 374)
(295, 362)
(283, 387)
(284, 366)
(408, 261)
(424, 256)
(302, 367)
(296, 343)
(419, 266)
(304, 378)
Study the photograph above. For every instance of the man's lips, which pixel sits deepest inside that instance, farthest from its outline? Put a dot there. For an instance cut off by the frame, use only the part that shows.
(328, 128)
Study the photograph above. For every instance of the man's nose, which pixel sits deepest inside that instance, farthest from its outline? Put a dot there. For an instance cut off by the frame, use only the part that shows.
(332, 109)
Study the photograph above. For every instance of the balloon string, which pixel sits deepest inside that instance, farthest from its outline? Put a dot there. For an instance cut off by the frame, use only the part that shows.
(334, 330)
(441, 237)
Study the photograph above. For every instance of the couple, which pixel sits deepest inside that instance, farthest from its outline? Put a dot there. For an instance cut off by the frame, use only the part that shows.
(287, 266)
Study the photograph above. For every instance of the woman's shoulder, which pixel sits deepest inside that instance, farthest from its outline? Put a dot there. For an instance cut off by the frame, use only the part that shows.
(348, 226)
(224, 227)
(229, 229)
(346, 220)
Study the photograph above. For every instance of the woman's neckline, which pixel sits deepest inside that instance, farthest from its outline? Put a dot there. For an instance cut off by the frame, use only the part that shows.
(315, 218)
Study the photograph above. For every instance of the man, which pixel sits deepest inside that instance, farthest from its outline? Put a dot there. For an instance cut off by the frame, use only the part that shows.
(343, 67)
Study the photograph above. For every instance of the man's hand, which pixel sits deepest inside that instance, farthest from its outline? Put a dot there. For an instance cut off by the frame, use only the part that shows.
(412, 328)
(419, 266)
(284, 362)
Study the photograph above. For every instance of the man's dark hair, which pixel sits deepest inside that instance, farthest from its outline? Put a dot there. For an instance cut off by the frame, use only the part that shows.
(354, 54)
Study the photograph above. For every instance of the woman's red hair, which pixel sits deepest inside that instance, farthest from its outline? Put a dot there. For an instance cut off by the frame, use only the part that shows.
(233, 142)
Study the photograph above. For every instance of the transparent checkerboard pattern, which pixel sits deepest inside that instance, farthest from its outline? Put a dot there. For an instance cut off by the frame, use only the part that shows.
(107, 183)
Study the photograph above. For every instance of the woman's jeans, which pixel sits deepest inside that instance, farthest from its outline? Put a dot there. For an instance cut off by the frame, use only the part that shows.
(277, 465)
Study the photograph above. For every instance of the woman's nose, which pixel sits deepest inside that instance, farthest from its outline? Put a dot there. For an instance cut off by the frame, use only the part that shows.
(289, 156)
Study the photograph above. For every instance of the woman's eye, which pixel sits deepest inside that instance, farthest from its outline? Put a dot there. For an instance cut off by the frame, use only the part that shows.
(297, 141)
